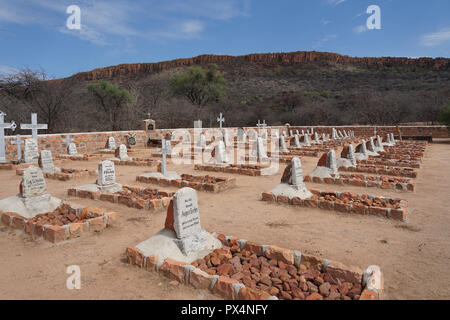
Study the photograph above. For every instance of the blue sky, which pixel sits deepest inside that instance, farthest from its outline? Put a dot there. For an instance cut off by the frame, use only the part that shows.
(33, 33)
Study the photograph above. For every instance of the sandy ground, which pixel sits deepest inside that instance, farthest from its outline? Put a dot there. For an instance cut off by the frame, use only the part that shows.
(414, 257)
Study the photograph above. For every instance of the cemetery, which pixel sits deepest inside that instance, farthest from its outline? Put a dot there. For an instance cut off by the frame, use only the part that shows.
(277, 184)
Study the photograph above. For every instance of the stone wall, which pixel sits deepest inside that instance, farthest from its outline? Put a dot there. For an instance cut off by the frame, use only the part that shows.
(94, 141)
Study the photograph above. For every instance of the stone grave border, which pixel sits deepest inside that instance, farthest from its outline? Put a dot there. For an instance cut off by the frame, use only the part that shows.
(231, 289)
(65, 174)
(12, 166)
(246, 170)
(84, 157)
(136, 162)
(406, 186)
(382, 170)
(391, 163)
(223, 184)
(149, 205)
(53, 233)
(389, 213)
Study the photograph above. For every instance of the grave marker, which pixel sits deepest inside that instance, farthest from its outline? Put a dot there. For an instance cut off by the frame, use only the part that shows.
(221, 120)
(112, 143)
(72, 149)
(18, 142)
(33, 126)
(106, 174)
(331, 162)
(46, 161)
(31, 151)
(4, 126)
(33, 183)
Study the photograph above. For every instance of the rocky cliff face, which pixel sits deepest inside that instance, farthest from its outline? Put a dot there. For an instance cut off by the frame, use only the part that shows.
(286, 59)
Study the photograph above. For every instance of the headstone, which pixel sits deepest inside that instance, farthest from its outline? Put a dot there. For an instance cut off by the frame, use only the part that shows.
(31, 151)
(284, 134)
(123, 153)
(283, 147)
(186, 221)
(33, 183)
(72, 149)
(33, 126)
(290, 133)
(106, 174)
(68, 140)
(392, 138)
(241, 135)
(324, 137)
(46, 161)
(112, 143)
(4, 126)
(297, 174)
(18, 142)
(331, 162)
(316, 137)
(297, 141)
(262, 154)
(379, 143)
(226, 138)
(371, 145)
(220, 153)
(307, 143)
(351, 154)
(363, 149)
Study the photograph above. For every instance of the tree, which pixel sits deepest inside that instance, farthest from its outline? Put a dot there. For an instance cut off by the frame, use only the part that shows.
(38, 93)
(199, 86)
(111, 99)
(445, 116)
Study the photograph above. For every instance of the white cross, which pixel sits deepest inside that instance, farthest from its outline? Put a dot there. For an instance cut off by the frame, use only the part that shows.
(221, 119)
(68, 140)
(4, 126)
(163, 151)
(34, 126)
(259, 124)
(18, 142)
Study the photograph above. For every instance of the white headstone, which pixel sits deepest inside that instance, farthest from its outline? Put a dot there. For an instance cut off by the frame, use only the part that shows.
(123, 153)
(283, 147)
(4, 126)
(186, 217)
(331, 162)
(297, 174)
(46, 161)
(297, 141)
(72, 149)
(371, 145)
(261, 150)
(351, 154)
(111, 143)
(106, 173)
(33, 183)
(307, 143)
(31, 151)
(220, 153)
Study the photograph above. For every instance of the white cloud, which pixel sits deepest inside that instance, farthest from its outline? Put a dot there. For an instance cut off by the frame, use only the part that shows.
(105, 22)
(360, 29)
(336, 2)
(436, 38)
(7, 70)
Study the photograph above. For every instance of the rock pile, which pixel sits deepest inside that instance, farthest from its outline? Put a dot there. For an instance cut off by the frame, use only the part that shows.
(276, 277)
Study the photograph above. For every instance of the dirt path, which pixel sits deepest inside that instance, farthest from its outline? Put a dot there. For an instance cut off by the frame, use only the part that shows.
(414, 257)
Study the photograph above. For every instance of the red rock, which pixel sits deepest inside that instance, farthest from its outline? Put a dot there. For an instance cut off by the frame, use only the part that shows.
(314, 296)
(324, 289)
(215, 261)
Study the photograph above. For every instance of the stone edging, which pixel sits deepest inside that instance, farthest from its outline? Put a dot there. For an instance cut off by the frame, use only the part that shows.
(371, 279)
(150, 205)
(395, 214)
(54, 233)
(222, 185)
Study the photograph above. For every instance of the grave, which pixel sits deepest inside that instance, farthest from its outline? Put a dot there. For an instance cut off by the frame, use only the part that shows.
(33, 198)
(292, 184)
(18, 142)
(183, 238)
(379, 145)
(72, 149)
(33, 126)
(347, 158)
(4, 126)
(326, 167)
(162, 172)
(121, 153)
(220, 156)
(361, 151)
(31, 151)
(283, 148)
(106, 179)
(371, 148)
(46, 162)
